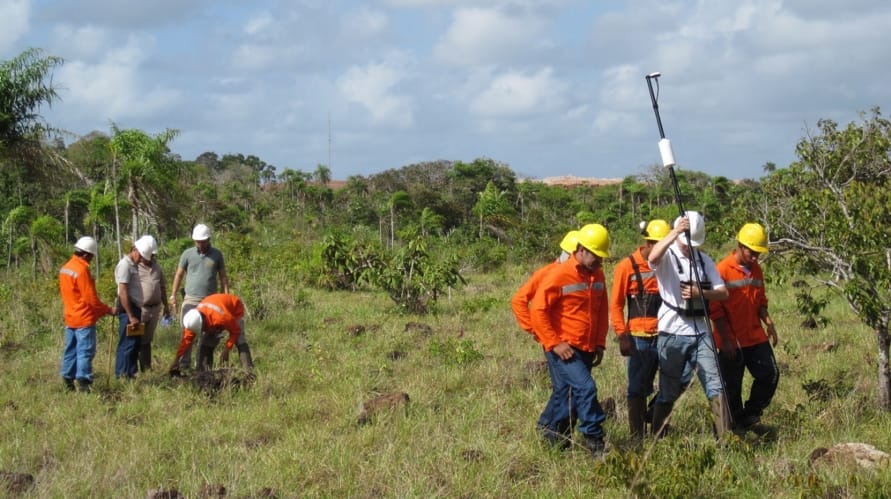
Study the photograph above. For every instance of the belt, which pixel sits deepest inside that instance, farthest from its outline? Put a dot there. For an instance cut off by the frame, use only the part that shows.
(650, 338)
(644, 335)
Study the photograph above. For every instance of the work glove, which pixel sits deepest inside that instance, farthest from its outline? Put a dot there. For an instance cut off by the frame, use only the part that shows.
(224, 357)
(174, 369)
(598, 356)
(626, 345)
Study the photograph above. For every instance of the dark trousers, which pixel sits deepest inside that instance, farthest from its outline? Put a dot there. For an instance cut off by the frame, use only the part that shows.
(762, 365)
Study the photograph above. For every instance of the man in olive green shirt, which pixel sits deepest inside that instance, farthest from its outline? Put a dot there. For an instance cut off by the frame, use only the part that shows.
(205, 274)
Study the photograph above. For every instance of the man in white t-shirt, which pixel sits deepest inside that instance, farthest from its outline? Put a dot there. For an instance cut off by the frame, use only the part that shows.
(685, 338)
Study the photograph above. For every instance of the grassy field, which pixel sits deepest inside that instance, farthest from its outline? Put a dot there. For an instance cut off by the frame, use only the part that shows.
(475, 387)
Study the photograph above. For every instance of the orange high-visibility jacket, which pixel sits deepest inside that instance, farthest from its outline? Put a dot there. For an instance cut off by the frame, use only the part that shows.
(571, 305)
(741, 309)
(520, 301)
(219, 311)
(80, 302)
(624, 284)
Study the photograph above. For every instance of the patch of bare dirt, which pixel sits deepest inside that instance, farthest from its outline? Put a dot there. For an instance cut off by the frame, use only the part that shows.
(572, 181)
(17, 484)
(850, 455)
(381, 403)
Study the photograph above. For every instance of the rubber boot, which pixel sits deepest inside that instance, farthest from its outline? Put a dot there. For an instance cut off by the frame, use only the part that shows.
(636, 421)
(660, 418)
(145, 357)
(83, 385)
(205, 358)
(595, 445)
(244, 355)
(720, 415)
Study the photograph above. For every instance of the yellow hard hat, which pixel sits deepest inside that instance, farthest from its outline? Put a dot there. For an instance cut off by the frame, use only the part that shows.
(656, 230)
(595, 238)
(570, 241)
(754, 237)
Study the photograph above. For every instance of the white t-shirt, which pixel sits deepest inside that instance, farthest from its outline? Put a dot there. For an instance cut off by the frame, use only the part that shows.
(672, 269)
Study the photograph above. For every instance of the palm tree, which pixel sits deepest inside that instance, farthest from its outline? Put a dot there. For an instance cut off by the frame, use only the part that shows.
(141, 164)
(25, 86)
(430, 221)
(18, 218)
(398, 201)
(322, 175)
(46, 234)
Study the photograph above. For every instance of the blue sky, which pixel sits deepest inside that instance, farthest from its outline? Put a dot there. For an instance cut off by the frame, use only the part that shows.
(549, 87)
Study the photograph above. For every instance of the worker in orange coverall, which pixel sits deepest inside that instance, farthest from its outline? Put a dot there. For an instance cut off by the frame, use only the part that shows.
(635, 285)
(214, 314)
(520, 301)
(569, 313)
(743, 318)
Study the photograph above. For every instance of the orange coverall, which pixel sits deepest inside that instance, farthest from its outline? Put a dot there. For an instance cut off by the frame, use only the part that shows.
(80, 302)
(520, 301)
(741, 309)
(624, 284)
(220, 311)
(571, 305)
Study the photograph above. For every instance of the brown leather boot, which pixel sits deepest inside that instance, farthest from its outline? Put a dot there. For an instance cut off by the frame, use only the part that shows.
(720, 415)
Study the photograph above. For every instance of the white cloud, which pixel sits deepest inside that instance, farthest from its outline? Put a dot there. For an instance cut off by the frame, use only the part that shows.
(519, 94)
(480, 36)
(371, 86)
(364, 23)
(114, 88)
(621, 93)
(255, 56)
(258, 24)
(15, 14)
(82, 42)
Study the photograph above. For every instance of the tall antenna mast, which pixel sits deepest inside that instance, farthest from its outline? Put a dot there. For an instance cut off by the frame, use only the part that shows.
(329, 139)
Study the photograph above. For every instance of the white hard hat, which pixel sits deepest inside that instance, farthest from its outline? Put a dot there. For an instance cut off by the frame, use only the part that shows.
(697, 229)
(153, 244)
(87, 244)
(144, 247)
(200, 233)
(193, 321)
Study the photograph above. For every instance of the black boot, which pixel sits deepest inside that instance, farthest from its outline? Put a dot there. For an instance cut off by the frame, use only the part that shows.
(244, 356)
(69, 384)
(84, 385)
(145, 357)
(636, 414)
(660, 418)
(595, 445)
(205, 358)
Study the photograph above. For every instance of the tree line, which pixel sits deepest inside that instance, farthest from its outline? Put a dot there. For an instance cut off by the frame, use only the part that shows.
(413, 231)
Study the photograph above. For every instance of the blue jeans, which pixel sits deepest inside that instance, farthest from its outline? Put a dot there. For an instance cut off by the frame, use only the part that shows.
(80, 349)
(642, 367)
(573, 397)
(678, 357)
(127, 357)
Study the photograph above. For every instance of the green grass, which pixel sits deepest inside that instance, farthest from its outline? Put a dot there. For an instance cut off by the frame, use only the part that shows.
(468, 430)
